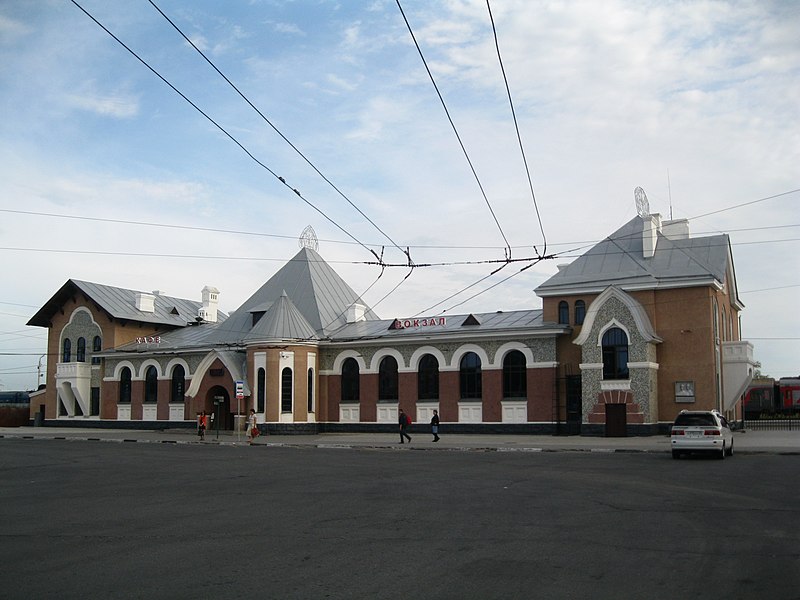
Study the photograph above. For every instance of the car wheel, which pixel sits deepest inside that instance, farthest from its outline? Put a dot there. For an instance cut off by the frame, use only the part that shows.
(730, 450)
(722, 452)
(676, 454)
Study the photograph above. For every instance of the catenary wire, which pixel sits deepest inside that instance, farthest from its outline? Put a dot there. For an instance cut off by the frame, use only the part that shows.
(516, 127)
(278, 131)
(455, 130)
(222, 129)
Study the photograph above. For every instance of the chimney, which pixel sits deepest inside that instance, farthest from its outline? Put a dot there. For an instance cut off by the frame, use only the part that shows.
(355, 313)
(210, 297)
(677, 229)
(145, 302)
(650, 231)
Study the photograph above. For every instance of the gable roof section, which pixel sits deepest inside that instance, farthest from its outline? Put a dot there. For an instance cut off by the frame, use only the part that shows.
(315, 290)
(618, 260)
(120, 303)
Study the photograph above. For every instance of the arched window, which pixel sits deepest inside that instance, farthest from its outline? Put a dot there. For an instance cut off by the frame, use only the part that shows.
(97, 346)
(615, 354)
(151, 384)
(66, 351)
(178, 384)
(310, 390)
(286, 390)
(428, 378)
(387, 379)
(470, 376)
(563, 313)
(80, 355)
(350, 380)
(125, 386)
(580, 312)
(515, 376)
(261, 391)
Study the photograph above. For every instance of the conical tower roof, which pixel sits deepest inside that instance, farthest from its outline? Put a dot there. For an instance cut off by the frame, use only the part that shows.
(315, 290)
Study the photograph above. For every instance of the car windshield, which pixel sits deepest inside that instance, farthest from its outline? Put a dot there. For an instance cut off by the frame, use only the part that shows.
(696, 420)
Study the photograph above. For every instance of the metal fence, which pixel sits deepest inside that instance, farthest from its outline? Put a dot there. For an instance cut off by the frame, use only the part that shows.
(765, 423)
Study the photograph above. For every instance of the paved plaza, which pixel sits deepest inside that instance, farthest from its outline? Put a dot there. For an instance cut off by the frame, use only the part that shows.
(159, 515)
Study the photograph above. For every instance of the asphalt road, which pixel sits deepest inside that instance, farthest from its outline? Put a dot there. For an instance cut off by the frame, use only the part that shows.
(98, 520)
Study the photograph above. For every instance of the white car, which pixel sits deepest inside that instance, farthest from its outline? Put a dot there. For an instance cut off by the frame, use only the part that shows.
(701, 431)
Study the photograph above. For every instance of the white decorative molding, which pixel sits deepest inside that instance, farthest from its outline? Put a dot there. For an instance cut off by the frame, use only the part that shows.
(387, 413)
(176, 411)
(643, 365)
(149, 412)
(608, 385)
(123, 412)
(590, 366)
(425, 411)
(349, 413)
(515, 411)
(636, 310)
(470, 412)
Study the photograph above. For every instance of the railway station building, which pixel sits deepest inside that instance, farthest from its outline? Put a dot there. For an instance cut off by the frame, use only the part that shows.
(642, 325)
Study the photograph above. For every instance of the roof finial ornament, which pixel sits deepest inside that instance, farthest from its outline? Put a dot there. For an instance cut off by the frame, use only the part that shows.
(308, 239)
(642, 205)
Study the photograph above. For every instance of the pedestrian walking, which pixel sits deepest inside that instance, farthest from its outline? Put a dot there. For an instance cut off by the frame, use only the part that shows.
(252, 427)
(404, 422)
(435, 425)
(201, 425)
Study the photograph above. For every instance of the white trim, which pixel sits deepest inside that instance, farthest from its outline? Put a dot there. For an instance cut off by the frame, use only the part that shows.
(413, 362)
(455, 364)
(608, 385)
(349, 413)
(234, 370)
(508, 347)
(470, 412)
(387, 412)
(590, 366)
(118, 369)
(177, 361)
(610, 325)
(374, 366)
(176, 411)
(425, 410)
(149, 363)
(643, 365)
(543, 365)
(514, 411)
(343, 356)
(635, 309)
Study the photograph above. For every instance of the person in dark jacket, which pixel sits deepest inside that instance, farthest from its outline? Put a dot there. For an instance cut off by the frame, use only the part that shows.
(404, 422)
(435, 425)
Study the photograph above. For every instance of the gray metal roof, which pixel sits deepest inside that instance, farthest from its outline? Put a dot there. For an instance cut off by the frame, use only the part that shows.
(488, 323)
(619, 260)
(120, 303)
(316, 291)
(282, 321)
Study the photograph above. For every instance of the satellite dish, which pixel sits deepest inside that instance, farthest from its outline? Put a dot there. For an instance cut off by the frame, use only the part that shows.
(308, 239)
(642, 205)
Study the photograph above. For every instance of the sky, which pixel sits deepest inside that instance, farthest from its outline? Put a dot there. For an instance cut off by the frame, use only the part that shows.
(108, 175)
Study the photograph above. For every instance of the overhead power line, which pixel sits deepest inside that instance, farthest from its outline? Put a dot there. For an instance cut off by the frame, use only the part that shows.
(278, 131)
(714, 212)
(455, 130)
(222, 129)
(516, 127)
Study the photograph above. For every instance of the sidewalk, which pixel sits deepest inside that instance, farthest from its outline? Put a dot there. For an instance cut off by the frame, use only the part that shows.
(772, 442)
